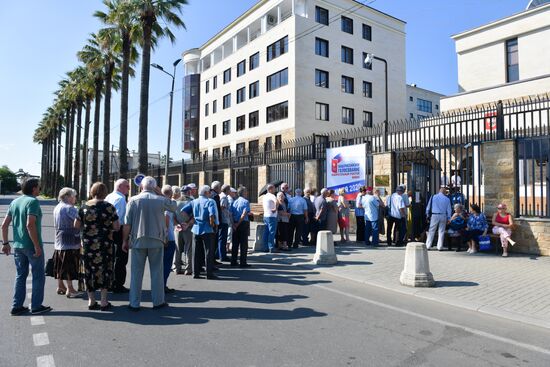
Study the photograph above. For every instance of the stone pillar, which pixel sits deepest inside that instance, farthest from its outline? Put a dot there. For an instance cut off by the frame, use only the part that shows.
(382, 165)
(201, 179)
(180, 180)
(324, 253)
(227, 176)
(499, 165)
(311, 174)
(263, 177)
(416, 272)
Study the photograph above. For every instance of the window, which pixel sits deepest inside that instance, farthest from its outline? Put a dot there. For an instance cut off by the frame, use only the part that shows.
(321, 15)
(226, 127)
(241, 68)
(207, 86)
(277, 112)
(367, 32)
(347, 84)
(365, 65)
(367, 89)
(226, 151)
(253, 146)
(254, 90)
(241, 123)
(227, 76)
(421, 117)
(215, 82)
(193, 91)
(512, 60)
(215, 106)
(214, 132)
(254, 119)
(226, 101)
(268, 144)
(194, 113)
(423, 105)
(367, 119)
(321, 47)
(216, 153)
(347, 25)
(277, 49)
(278, 142)
(241, 95)
(411, 98)
(206, 110)
(347, 116)
(321, 78)
(254, 61)
(240, 149)
(321, 111)
(277, 80)
(206, 133)
(437, 107)
(347, 55)
(411, 115)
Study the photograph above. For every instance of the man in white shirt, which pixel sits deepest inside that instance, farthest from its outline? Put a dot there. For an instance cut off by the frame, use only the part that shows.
(456, 181)
(397, 215)
(439, 212)
(270, 218)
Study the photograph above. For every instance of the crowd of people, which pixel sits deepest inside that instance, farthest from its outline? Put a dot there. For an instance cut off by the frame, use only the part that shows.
(192, 231)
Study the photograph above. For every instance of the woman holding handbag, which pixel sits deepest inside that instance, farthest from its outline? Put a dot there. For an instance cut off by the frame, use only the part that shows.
(477, 227)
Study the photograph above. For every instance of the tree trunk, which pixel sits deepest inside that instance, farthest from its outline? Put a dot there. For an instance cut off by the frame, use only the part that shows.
(76, 177)
(84, 183)
(107, 125)
(54, 161)
(58, 171)
(71, 146)
(66, 180)
(147, 21)
(97, 110)
(43, 163)
(123, 140)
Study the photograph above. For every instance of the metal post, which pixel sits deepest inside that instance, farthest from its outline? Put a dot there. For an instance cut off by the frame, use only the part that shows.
(500, 121)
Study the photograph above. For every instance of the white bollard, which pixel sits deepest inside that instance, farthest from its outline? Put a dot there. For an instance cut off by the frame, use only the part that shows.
(324, 253)
(416, 272)
(259, 244)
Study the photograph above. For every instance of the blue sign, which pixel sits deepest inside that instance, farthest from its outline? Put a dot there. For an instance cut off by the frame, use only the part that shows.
(139, 177)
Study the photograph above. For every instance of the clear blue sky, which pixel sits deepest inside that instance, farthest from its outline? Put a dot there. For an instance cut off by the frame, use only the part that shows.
(39, 40)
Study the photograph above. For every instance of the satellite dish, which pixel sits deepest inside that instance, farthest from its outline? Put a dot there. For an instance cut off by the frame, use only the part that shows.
(535, 3)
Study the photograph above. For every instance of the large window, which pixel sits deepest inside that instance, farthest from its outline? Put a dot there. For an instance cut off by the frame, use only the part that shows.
(277, 112)
(226, 101)
(347, 25)
(226, 127)
(347, 84)
(226, 151)
(241, 95)
(207, 86)
(254, 90)
(268, 146)
(277, 49)
(240, 149)
(321, 78)
(241, 68)
(254, 119)
(278, 142)
(241, 123)
(367, 89)
(254, 61)
(215, 106)
(347, 55)
(348, 116)
(321, 15)
(253, 146)
(423, 105)
(216, 153)
(321, 47)
(512, 60)
(321, 111)
(227, 76)
(367, 32)
(365, 65)
(277, 80)
(367, 119)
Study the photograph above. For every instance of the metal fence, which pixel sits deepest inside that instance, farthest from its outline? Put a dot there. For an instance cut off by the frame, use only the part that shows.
(533, 180)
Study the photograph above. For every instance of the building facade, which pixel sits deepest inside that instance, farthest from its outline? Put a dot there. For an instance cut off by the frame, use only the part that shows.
(293, 68)
(422, 103)
(503, 60)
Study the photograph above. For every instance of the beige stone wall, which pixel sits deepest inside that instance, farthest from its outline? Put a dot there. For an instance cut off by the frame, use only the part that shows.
(382, 166)
(262, 177)
(201, 179)
(311, 174)
(532, 236)
(227, 176)
(499, 165)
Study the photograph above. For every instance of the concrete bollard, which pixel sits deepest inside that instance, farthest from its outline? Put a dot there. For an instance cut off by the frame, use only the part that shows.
(324, 253)
(416, 272)
(259, 244)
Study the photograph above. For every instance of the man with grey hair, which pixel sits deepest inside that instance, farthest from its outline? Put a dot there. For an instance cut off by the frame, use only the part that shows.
(118, 199)
(321, 214)
(241, 225)
(184, 235)
(298, 217)
(225, 223)
(215, 191)
(308, 228)
(145, 233)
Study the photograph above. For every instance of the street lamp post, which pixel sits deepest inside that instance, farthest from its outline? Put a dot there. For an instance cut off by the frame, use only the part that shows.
(173, 76)
(368, 61)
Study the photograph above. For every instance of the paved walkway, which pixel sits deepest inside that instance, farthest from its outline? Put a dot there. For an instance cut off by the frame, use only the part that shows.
(517, 287)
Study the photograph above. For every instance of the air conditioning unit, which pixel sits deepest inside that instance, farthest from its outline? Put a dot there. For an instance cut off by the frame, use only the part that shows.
(271, 19)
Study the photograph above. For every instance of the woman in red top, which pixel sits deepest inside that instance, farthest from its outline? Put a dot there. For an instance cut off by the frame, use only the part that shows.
(502, 225)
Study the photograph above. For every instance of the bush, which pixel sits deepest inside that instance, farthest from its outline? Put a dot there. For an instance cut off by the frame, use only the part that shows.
(9, 181)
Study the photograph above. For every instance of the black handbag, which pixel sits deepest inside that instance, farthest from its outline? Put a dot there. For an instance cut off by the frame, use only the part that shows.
(48, 270)
(387, 209)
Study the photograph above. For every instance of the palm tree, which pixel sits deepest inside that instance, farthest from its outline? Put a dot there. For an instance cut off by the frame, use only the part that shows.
(122, 15)
(153, 13)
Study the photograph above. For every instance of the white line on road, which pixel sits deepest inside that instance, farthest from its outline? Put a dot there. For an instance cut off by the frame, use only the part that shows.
(45, 361)
(37, 320)
(40, 339)
(484, 334)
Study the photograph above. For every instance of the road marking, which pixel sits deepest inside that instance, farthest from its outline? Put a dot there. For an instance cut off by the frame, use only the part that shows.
(484, 334)
(37, 320)
(40, 339)
(45, 361)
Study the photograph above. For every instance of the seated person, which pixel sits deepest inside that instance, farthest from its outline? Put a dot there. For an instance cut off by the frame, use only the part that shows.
(476, 226)
(502, 225)
(457, 224)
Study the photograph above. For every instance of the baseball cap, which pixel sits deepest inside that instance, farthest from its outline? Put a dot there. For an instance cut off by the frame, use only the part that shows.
(191, 186)
(233, 190)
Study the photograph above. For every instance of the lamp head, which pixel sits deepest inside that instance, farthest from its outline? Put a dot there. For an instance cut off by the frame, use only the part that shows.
(176, 62)
(157, 66)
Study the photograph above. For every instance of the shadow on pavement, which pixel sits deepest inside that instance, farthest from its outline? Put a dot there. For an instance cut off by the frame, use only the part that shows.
(446, 284)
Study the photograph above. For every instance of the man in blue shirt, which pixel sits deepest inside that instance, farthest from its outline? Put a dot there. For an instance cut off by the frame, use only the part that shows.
(240, 208)
(439, 212)
(204, 211)
(371, 205)
(298, 217)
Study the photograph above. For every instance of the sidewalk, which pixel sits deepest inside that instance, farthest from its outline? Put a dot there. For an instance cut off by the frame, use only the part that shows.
(517, 287)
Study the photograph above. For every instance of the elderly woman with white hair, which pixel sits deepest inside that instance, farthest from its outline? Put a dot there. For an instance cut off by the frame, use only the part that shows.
(67, 243)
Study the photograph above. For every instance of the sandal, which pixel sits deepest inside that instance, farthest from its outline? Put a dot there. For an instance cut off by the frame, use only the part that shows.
(73, 294)
(106, 307)
(61, 291)
(94, 306)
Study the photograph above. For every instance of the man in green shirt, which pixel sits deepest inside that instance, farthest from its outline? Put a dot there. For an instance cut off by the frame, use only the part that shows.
(25, 215)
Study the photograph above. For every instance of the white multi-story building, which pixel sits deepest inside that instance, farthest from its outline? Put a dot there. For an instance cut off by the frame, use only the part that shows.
(503, 60)
(422, 103)
(286, 69)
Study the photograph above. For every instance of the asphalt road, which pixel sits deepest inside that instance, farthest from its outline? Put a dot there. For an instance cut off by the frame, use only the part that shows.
(269, 315)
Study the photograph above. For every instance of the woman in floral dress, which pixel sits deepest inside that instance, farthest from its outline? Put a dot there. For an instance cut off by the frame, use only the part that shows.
(98, 220)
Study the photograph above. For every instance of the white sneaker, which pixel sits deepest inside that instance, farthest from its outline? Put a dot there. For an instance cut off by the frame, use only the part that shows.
(473, 251)
(469, 250)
